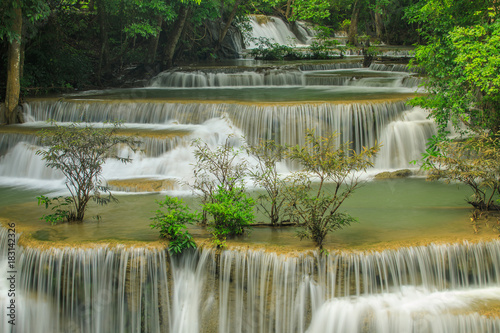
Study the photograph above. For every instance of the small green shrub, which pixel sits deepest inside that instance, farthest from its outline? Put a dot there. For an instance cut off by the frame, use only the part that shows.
(231, 211)
(61, 207)
(314, 207)
(171, 219)
(79, 151)
(267, 50)
(266, 176)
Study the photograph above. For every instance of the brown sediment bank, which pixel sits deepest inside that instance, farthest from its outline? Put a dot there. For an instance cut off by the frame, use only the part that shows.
(154, 133)
(142, 185)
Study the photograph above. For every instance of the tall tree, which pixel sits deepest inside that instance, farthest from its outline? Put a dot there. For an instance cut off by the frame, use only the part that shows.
(174, 35)
(12, 115)
(228, 23)
(11, 29)
(174, 31)
(352, 35)
(103, 38)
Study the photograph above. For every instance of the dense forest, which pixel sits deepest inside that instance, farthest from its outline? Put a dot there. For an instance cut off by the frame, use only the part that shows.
(58, 45)
(81, 43)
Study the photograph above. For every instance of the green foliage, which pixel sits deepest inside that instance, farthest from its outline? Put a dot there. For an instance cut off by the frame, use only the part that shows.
(171, 219)
(56, 67)
(231, 212)
(314, 206)
(59, 206)
(462, 61)
(79, 151)
(267, 50)
(310, 10)
(474, 162)
(368, 55)
(266, 176)
(322, 48)
(214, 168)
(437, 17)
(344, 26)
(33, 11)
(141, 17)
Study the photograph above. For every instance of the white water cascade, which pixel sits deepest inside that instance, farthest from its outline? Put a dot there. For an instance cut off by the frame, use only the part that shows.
(361, 124)
(171, 114)
(402, 131)
(404, 140)
(432, 289)
(350, 75)
(277, 31)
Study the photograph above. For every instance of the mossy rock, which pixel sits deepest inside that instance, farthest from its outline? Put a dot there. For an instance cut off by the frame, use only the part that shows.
(403, 173)
(262, 19)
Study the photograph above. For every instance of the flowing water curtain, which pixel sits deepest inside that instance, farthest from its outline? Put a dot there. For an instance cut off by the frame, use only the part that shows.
(276, 30)
(305, 75)
(362, 124)
(405, 139)
(132, 290)
(9, 140)
(98, 290)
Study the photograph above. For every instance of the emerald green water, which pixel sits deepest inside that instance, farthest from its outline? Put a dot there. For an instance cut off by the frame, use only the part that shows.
(399, 210)
(250, 94)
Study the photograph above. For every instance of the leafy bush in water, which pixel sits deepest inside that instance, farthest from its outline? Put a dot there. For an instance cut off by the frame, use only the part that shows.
(313, 206)
(79, 152)
(171, 219)
(265, 175)
(474, 162)
(217, 167)
(267, 50)
(59, 208)
(231, 211)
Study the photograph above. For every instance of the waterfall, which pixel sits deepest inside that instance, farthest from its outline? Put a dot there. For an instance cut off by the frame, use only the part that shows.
(117, 289)
(167, 130)
(9, 140)
(273, 77)
(330, 66)
(22, 160)
(318, 75)
(277, 31)
(405, 139)
(360, 123)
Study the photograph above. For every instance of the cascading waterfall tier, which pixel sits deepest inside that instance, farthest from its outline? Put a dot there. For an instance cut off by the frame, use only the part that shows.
(277, 31)
(404, 140)
(403, 132)
(421, 289)
(312, 75)
(9, 140)
(287, 124)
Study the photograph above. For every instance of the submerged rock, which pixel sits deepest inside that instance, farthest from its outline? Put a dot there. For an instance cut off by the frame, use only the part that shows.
(403, 173)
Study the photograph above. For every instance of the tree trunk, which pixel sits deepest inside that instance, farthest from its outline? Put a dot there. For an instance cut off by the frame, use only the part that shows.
(104, 50)
(379, 25)
(12, 114)
(153, 47)
(288, 11)
(174, 36)
(353, 28)
(228, 24)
